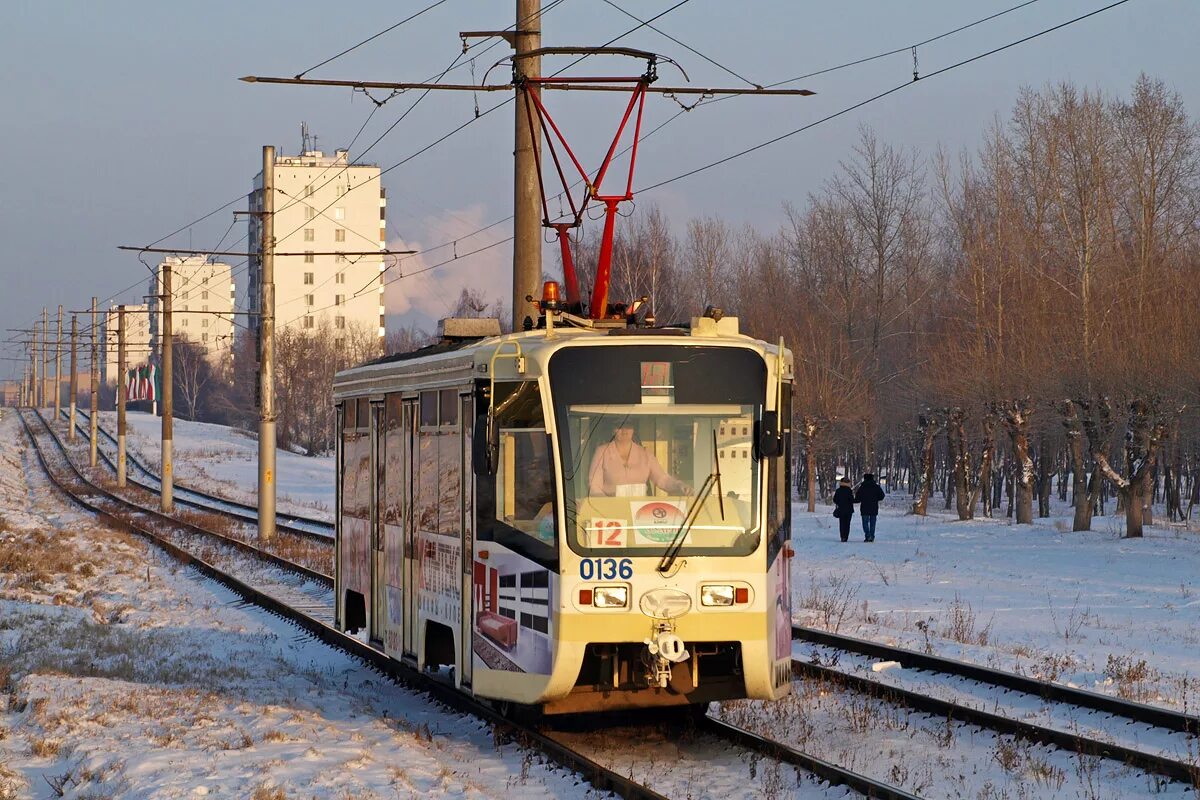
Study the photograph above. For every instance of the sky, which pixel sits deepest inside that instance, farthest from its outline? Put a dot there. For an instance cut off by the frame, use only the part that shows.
(124, 121)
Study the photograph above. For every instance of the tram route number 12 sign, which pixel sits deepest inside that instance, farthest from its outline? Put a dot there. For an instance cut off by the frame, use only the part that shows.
(607, 532)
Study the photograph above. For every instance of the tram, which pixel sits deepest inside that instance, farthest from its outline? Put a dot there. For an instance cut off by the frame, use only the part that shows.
(590, 515)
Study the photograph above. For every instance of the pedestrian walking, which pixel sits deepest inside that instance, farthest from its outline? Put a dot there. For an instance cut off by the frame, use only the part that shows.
(843, 507)
(868, 496)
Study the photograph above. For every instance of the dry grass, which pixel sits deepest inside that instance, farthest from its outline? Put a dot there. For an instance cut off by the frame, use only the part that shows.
(1132, 677)
(265, 792)
(45, 748)
(37, 559)
(961, 624)
(832, 600)
(11, 783)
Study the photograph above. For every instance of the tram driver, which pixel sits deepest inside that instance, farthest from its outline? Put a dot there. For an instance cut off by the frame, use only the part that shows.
(621, 467)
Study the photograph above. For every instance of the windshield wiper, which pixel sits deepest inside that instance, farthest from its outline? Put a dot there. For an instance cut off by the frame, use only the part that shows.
(689, 519)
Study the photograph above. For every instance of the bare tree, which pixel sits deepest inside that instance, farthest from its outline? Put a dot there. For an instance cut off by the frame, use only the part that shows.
(882, 189)
(192, 375)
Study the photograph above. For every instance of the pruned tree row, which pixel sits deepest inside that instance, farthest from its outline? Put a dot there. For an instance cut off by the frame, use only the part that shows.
(993, 327)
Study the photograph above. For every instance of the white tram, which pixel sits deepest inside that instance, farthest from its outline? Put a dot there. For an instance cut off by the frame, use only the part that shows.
(489, 520)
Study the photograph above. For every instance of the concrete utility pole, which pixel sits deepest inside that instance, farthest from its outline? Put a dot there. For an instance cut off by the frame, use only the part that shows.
(167, 483)
(74, 380)
(93, 423)
(58, 368)
(45, 359)
(266, 354)
(33, 366)
(121, 391)
(527, 200)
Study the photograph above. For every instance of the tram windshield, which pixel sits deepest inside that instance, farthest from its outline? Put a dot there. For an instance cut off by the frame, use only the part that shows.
(644, 432)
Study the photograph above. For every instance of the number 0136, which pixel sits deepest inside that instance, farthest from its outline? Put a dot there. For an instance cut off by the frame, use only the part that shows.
(606, 569)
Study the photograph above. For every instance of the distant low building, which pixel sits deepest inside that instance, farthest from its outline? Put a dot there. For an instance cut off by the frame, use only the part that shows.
(137, 339)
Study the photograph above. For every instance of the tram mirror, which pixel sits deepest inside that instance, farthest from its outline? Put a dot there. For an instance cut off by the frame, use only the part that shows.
(769, 442)
(483, 446)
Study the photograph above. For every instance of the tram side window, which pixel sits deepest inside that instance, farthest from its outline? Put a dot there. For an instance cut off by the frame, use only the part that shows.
(356, 461)
(392, 496)
(779, 505)
(515, 506)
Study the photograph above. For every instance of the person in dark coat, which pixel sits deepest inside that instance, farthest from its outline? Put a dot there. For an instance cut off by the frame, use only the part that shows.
(843, 501)
(868, 496)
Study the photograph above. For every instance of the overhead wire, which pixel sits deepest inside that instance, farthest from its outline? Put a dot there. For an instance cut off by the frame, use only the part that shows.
(691, 49)
(373, 37)
(681, 112)
(905, 48)
(488, 111)
(879, 96)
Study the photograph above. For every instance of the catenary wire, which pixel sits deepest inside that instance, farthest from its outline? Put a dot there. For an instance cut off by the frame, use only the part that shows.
(690, 49)
(373, 37)
(879, 96)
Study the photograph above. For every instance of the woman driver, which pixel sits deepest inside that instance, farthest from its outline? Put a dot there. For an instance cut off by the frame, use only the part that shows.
(620, 468)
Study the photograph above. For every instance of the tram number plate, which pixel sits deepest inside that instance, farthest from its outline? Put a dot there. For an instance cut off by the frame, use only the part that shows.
(607, 532)
(606, 569)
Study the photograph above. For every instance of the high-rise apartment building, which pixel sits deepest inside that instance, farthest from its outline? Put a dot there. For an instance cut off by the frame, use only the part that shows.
(202, 305)
(137, 339)
(325, 206)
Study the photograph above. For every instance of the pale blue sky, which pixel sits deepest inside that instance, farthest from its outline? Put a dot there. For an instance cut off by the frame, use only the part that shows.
(124, 120)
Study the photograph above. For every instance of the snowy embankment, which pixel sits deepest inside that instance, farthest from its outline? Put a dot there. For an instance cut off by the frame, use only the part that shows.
(1088, 609)
(122, 675)
(224, 461)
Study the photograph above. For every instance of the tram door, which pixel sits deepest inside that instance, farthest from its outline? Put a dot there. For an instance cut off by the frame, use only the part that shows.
(378, 620)
(466, 419)
(408, 437)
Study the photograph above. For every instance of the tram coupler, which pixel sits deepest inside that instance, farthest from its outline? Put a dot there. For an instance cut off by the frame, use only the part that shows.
(665, 649)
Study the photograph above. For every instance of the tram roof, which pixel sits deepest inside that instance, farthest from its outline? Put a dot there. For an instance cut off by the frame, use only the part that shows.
(451, 362)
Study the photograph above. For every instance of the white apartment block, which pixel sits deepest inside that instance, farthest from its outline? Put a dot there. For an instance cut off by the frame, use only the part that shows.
(202, 305)
(137, 339)
(324, 206)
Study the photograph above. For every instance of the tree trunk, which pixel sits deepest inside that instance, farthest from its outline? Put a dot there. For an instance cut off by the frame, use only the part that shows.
(1080, 497)
(928, 430)
(1044, 479)
(960, 461)
(809, 431)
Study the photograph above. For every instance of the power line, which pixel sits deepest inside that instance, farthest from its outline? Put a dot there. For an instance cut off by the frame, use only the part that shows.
(906, 48)
(373, 37)
(879, 96)
(680, 113)
(689, 48)
(503, 103)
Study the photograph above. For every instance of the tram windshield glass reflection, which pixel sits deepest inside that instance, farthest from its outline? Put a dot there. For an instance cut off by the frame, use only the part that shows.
(634, 471)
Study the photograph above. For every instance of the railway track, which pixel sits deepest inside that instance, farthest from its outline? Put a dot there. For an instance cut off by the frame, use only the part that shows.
(143, 476)
(1139, 735)
(304, 597)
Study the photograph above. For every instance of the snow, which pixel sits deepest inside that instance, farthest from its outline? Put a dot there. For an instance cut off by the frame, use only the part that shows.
(122, 675)
(242, 700)
(224, 461)
(1082, 608)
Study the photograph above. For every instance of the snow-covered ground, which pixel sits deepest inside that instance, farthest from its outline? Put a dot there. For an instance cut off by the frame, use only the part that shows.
(224, 461)
(1089, 609)
(123, 676)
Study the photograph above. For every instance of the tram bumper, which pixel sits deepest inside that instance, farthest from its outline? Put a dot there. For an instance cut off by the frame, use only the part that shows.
(611, 662)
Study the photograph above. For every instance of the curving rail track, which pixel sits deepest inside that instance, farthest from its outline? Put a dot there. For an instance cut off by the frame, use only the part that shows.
(1151, 732)
(304, 597)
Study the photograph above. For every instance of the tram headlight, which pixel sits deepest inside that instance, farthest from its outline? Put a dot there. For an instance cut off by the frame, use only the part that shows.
(715, 594)
(610, 597)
